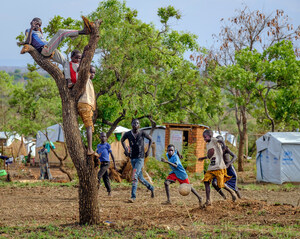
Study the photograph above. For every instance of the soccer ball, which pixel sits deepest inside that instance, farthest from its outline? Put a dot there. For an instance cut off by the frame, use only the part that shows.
(184, 189)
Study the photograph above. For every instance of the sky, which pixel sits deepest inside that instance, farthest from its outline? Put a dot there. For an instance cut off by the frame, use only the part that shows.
(200, 17)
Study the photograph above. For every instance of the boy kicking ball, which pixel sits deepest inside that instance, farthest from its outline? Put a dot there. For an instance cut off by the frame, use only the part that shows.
(178, 173)
(216, 168)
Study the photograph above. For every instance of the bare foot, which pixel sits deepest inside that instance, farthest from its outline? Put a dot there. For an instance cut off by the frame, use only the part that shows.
(70, 83)
(166, 203)
(131, 200)
(206, 204)
(233, 198)
(152, 193)
(92, 152)
(200, 202)
(238, 194)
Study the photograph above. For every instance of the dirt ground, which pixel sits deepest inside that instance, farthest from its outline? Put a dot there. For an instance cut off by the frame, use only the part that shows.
(59, 205)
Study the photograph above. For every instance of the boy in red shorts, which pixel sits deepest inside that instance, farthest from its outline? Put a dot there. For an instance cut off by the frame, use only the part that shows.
(178, 173)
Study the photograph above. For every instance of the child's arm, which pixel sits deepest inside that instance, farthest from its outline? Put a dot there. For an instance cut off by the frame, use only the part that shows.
(166, 161)
(202, 158)
(28, 37)
(113, 159)
(147, 136)
(234, 157)
(124, 146)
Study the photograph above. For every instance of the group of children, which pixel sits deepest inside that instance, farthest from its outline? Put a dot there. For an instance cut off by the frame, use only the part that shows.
(220, 172)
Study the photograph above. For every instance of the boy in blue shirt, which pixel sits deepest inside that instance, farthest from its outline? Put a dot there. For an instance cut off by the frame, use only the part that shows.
(178, 173)
(104, 149)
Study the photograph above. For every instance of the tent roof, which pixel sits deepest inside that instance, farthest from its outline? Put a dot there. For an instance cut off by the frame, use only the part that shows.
(120, 129)
(276, 139)
(2, 135)
(286, 137)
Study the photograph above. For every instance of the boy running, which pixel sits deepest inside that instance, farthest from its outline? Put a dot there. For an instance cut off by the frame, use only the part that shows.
(178, 173)
(104, 149)
(137, 155)
(216, 168)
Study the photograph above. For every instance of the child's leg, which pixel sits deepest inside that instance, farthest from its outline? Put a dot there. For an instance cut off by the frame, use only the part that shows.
(237, 192)
(197, 195)
(57, 39)
(219, 190)
(89, 135)
(207, 192)
(59, 58)
(167, 183)
(228, 189)
(106, 181)
(103, 169)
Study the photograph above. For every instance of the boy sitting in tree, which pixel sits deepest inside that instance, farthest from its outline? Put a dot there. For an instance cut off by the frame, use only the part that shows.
(34, 37)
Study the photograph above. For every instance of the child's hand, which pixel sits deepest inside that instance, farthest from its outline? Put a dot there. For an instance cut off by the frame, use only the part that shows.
(163, 160)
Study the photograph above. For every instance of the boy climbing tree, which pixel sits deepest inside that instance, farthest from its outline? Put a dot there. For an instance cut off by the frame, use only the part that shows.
(84, 163)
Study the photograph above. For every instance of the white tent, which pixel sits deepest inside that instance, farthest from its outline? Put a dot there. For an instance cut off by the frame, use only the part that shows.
(278, 157)
(54, 133)
(158, 136)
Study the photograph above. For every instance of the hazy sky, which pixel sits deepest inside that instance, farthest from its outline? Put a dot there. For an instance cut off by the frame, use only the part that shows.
(201, 17)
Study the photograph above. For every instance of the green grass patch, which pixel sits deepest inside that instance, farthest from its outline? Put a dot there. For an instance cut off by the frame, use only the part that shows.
(44, 183)
(76, 231)
(269, 187)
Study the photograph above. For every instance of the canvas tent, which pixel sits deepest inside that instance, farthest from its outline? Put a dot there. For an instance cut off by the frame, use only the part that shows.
(278, 157)
(56, 135)
(157, 150)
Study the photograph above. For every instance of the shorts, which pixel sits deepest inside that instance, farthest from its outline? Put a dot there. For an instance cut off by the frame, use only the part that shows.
(174, 178)
(86, 113)
(220, 175)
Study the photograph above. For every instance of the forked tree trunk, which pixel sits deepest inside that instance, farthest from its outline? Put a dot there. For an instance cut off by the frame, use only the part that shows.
(85, 166)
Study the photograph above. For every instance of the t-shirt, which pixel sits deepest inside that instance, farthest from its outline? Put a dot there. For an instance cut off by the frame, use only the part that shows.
(216, 161)
(73, 71)
(88, 96)
(104, 150)
(136, 144)
(179, 171)
(37, 39)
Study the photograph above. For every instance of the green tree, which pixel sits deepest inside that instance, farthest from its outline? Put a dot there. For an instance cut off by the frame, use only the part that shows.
(37, 105)
(142, 71)
(255, 31)
(6, 89)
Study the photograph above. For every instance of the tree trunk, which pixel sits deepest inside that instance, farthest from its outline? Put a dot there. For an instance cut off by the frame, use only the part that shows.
(85, 166)
(241, 121)
(246, 146)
